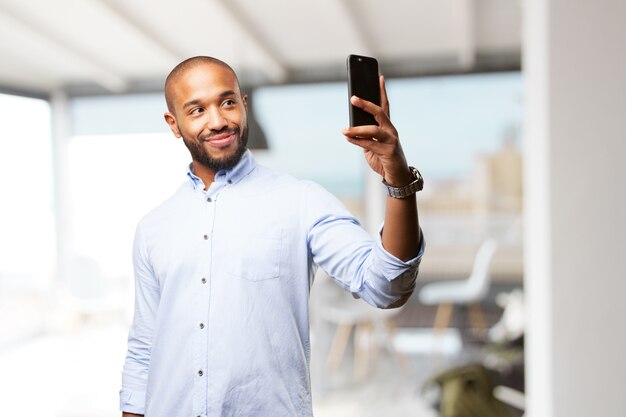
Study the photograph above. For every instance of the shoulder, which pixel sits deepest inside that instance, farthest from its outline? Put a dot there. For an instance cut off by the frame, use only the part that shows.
(169, 208)
(268, 178)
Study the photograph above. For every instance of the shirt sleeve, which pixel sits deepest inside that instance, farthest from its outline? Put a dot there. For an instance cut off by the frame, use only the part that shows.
(137, 363)
(350, 256)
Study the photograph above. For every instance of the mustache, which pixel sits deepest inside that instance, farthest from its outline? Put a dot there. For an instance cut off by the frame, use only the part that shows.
(222, 131)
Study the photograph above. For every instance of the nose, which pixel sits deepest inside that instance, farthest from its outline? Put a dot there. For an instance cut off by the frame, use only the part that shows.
(215, 120)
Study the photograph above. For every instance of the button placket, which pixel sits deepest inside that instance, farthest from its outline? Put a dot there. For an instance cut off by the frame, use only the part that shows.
(202, 319)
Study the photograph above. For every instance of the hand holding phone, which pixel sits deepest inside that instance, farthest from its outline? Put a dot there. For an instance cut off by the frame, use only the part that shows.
(375, 134)
(363, 82)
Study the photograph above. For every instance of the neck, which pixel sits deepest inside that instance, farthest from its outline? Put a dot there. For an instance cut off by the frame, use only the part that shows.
(206, 174)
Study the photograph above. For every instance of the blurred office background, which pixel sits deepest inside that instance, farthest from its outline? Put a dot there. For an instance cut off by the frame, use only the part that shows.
(512, 110)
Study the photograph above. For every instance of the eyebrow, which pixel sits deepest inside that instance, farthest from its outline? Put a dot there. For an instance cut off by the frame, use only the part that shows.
(222, 95)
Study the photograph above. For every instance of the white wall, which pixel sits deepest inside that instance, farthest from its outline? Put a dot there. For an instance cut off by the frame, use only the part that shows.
(575, 168)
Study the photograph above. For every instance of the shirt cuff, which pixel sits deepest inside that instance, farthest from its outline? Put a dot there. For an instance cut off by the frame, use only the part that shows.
(391, 263)
(387, 278)
(132, 401)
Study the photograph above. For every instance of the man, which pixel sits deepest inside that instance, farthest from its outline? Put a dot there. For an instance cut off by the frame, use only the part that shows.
(223, 268)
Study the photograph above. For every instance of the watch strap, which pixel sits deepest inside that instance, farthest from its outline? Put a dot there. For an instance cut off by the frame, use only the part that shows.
(408, 190)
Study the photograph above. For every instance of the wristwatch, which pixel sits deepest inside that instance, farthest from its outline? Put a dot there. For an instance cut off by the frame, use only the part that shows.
(408, 190)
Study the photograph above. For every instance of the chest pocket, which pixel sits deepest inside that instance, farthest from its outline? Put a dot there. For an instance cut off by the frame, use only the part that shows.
(255, 257)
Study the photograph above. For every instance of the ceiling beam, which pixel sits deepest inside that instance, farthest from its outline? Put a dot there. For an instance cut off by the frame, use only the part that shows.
(248, 26)
(154, 37)
(349, 14)
(13, 91)
(408, 68)
(21, 75)
(467, 34)
(419, 66)
(99, 72)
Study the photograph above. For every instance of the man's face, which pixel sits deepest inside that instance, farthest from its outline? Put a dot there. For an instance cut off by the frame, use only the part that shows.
(209, 113)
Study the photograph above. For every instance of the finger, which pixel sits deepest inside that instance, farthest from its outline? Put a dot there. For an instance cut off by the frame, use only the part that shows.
(368, 132)
(368, 144)
(384, 102)
(369, 107)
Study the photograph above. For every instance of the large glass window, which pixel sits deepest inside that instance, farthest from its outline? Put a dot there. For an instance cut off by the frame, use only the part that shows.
(114, 181)
(27, 248)
(462, 132)
(27, 244)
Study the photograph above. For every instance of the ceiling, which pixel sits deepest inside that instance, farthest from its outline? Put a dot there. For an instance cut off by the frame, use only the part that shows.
(119, 46)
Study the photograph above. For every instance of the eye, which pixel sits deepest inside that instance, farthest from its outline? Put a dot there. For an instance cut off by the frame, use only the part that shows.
(229, 102)
(196, 110)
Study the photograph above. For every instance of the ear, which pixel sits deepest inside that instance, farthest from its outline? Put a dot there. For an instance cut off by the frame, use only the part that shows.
(171, 121)
(245, 101)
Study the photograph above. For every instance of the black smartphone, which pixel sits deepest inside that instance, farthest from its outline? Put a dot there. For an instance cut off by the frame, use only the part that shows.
(362, 82)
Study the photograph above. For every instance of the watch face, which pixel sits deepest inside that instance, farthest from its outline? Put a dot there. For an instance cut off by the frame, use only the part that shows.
(419, 180)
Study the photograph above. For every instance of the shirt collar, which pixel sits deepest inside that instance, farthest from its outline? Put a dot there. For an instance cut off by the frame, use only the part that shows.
(245, 165)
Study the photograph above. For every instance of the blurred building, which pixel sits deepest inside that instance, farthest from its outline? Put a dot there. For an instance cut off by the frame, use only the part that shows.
(496, 182)
(462, 212)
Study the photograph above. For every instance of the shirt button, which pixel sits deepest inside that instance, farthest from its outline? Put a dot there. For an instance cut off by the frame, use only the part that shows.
(203, 280)
(206, 237)
(230, 181)
(200, 373)
(202, 325)
(209, 199)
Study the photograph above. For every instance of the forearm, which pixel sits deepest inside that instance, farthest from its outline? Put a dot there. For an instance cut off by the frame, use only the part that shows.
(401, 234)
(131, 415)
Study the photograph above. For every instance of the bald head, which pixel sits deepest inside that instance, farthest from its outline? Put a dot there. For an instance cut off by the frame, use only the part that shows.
(188, 64)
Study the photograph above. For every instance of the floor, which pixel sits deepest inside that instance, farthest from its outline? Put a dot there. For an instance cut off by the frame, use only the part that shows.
(392, 387)
(77, 374)
(71, 368)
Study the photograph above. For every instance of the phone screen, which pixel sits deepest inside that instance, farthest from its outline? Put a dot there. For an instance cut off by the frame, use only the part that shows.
(363, 82)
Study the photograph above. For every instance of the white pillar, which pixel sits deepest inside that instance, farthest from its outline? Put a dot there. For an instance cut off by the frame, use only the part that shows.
(375, 200)
(575, 213)
(60, 136)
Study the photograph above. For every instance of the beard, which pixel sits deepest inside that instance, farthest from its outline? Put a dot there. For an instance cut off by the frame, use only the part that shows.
(201, 156)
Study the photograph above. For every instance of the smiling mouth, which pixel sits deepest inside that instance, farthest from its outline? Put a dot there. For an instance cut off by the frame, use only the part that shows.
(222, 140)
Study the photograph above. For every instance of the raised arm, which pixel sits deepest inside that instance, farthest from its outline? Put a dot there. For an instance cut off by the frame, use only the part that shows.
(384, 154)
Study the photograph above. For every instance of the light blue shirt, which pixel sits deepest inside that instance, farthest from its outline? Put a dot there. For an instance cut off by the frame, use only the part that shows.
(222, 280)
